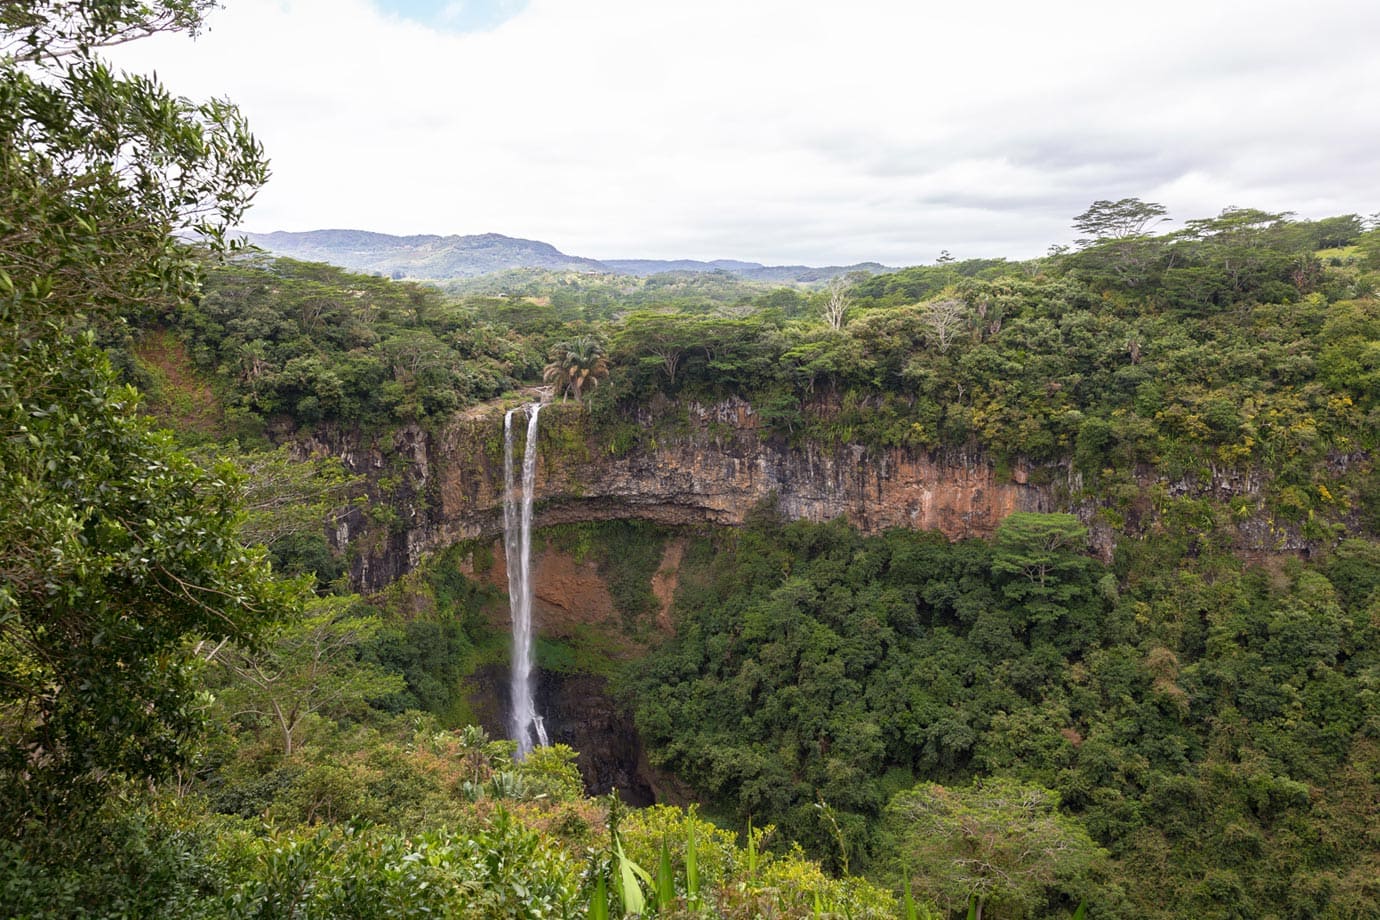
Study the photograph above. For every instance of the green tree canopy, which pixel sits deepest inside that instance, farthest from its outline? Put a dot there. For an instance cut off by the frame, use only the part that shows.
(999, 841)
(1041, 559)
(1116, 220)
(114, 548)
(576, 364)
(309, 667)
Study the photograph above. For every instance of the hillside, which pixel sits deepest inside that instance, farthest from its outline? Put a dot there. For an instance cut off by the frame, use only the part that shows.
(448, 258)
(749, 271)
(422, 257)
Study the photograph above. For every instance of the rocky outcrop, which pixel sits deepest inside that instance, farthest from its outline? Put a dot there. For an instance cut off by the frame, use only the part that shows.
(444, 486)
(578, 711)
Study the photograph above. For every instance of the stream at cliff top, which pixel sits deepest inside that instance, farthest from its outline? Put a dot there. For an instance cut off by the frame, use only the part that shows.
(526, 726)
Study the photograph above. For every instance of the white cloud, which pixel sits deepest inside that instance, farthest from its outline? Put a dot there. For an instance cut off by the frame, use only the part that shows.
(796, 131)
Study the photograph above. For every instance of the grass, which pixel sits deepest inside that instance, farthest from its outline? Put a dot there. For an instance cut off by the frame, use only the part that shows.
(176, 395)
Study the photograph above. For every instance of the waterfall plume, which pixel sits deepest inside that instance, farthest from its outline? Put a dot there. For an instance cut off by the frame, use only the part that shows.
(526, 726)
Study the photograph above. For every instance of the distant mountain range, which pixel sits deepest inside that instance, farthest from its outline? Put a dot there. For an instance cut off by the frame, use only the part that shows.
(446, 258)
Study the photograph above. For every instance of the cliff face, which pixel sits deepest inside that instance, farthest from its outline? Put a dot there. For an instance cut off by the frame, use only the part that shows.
(445, 486)
(722, 466)
(579, 712)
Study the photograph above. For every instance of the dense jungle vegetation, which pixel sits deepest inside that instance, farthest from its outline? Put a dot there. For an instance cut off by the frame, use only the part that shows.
(201, 718)
(1240, 345)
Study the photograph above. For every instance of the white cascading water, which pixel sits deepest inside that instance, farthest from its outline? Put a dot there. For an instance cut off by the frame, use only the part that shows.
(526, 726)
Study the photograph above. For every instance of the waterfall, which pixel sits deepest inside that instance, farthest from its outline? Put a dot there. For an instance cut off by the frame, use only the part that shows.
(526, 726)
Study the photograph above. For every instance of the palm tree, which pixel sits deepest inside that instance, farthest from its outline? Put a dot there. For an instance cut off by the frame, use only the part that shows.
(576, 364)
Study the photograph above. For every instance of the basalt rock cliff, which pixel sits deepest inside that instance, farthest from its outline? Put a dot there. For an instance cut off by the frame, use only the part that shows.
(713, 466)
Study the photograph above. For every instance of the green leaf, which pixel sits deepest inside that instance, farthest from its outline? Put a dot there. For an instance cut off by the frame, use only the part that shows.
(634, 902)
(599, 902)
(692, 866)
(665, 881)
(751, 851)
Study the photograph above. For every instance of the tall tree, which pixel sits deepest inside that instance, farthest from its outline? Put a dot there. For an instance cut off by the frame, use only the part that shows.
(657, 340)
(1117, 248)
(575, 365)
(837, 303)
(114, 548)
(999, 844)
(1118, 220)
(944, 320)
(308, 667)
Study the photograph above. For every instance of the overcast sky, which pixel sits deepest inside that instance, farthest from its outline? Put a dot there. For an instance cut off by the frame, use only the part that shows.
(798, 131)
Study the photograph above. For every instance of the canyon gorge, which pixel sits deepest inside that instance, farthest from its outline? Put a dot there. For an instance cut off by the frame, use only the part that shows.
(709, 467)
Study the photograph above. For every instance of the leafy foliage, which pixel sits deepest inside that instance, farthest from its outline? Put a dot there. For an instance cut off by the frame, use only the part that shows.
(1128, 217)
(307, 667)
(1182, 710)
(1000, 842)
(317, 344)
(1208, 723)
(115, 548)
(575, 365)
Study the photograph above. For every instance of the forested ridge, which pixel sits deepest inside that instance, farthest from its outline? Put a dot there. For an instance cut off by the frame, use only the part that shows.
(202, 718)
(1239, 346)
